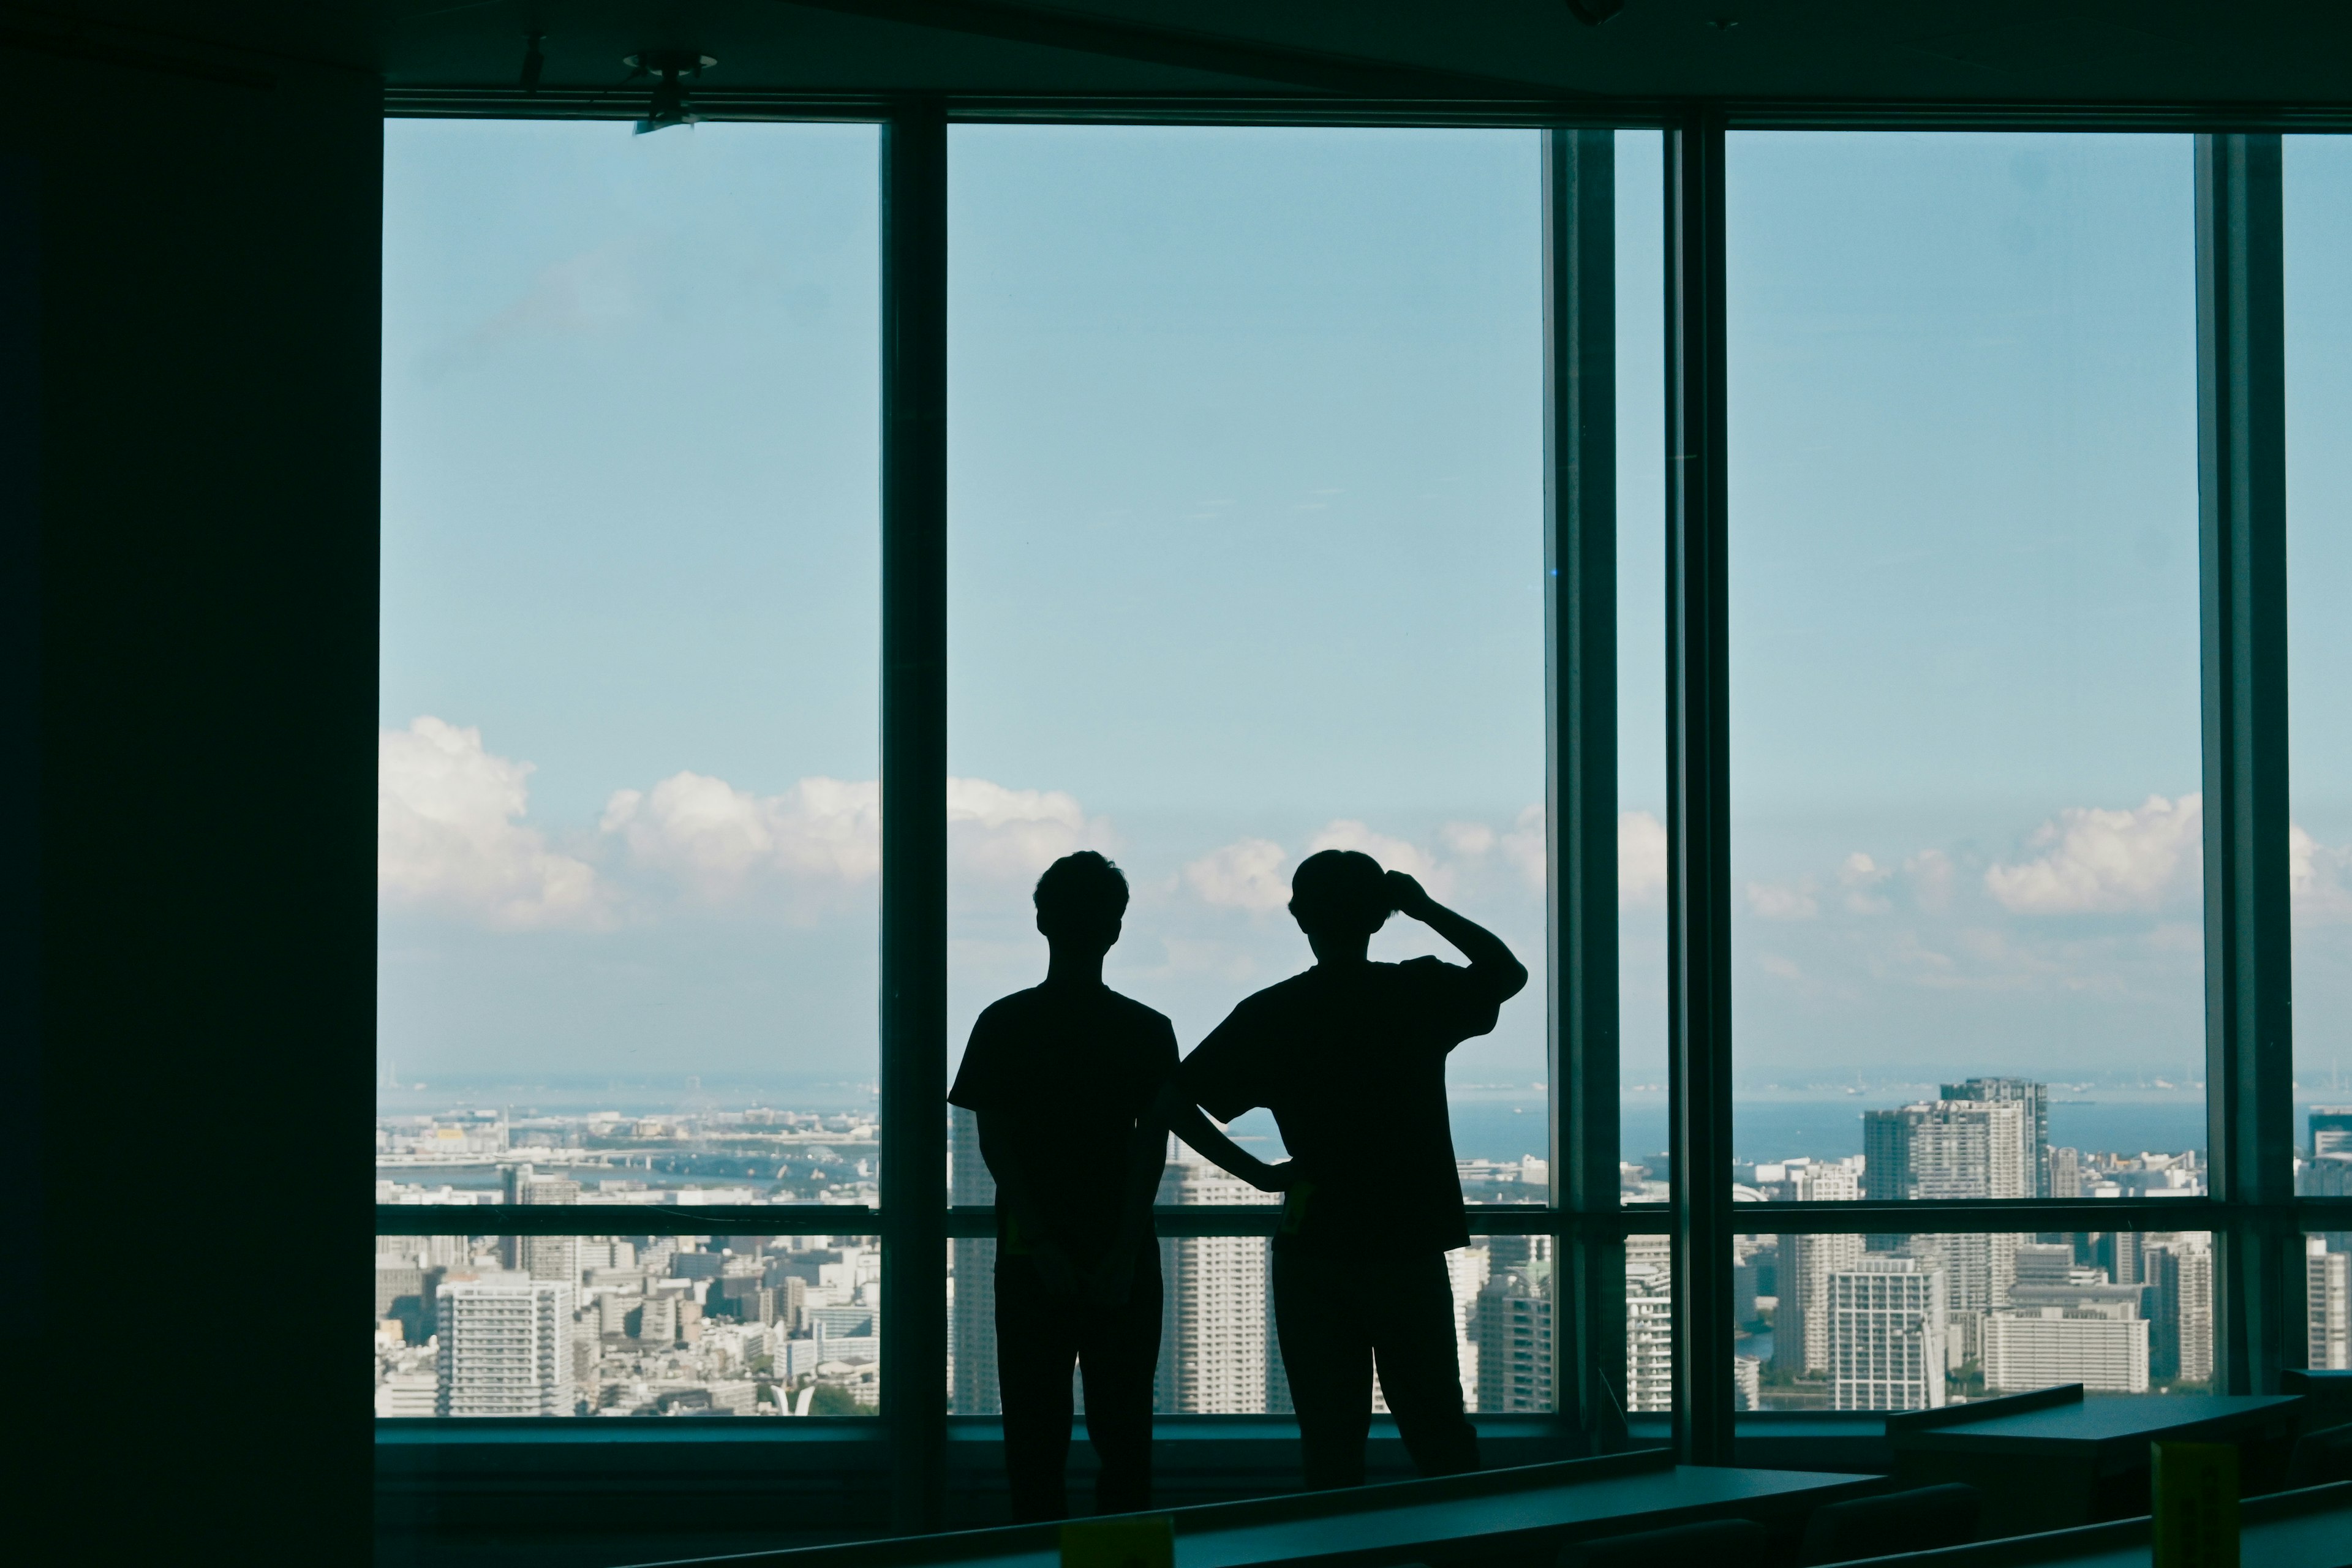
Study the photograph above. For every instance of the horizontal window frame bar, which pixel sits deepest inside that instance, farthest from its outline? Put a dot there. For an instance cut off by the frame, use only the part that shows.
(1965, 1215)
(1570, 112)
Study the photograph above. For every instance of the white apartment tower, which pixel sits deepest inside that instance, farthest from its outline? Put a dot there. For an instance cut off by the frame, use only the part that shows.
(2180, 1309)
(1212, 1340)
(2101, 1345)
(1886, 1335)
(1649, 1323)
(2327, 1287)
(972, 1265)
(505, 1347)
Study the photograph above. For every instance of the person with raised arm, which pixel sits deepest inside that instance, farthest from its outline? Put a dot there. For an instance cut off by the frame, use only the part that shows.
(1351, 1057)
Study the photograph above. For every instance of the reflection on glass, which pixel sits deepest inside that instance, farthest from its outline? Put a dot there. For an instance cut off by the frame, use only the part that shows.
(2318, 216)
(1247, 561)
(1965, 762)
(627, 802)
(627, 1325)
(1910, 1322)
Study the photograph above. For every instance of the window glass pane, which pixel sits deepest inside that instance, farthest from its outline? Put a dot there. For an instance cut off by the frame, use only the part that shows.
(627, 1325)
(1965, 763)
(1908, 1322)
(1246, 558)
(1641, 664)
(2318, 201)
(627, 809)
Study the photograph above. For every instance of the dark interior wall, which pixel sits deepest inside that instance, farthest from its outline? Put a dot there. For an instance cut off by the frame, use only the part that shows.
(193, 519)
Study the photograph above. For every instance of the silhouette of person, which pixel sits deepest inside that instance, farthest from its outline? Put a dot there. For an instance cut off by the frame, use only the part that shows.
(1351, 1057)
(1061, 1079)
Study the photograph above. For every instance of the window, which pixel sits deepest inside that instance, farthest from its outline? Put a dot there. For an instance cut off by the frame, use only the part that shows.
(1965, 763)
(627, 808)
(2318, 219)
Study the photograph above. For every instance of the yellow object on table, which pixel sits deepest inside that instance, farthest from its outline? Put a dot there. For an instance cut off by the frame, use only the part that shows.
(2196, 1505)
(1133, 1541)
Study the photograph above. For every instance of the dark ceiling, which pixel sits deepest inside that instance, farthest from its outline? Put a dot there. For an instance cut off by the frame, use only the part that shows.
(1998, 51)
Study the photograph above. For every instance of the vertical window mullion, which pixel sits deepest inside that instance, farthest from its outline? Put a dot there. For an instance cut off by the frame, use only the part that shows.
(914, 808)
(2242, 572)
(1699, 875)
(1581, 681)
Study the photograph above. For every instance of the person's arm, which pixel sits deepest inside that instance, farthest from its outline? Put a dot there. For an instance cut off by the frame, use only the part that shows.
(1175, 1111)
(1028, 1222)
(1492, 965)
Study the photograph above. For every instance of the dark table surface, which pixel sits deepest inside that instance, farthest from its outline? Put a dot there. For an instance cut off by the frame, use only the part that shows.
(2310, 1529)
(1532, 1507)
(2097, 1421)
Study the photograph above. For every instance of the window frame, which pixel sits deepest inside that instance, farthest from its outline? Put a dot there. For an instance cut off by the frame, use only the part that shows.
(2256, 1220)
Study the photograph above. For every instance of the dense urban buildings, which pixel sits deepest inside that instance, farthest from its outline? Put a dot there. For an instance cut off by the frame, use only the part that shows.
(472, 1323)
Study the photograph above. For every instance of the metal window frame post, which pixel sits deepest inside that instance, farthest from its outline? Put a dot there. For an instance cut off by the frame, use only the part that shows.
(914, 808)
(2242, 588)
(1698, 867)
(1580, 200)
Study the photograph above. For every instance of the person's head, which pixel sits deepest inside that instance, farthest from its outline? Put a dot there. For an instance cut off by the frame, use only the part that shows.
(1341, 894)
(1080, 900)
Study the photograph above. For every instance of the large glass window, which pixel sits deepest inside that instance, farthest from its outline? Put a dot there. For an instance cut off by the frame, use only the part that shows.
(630, 629)
(1964, 765)
(2318, 212)
(1247, 556)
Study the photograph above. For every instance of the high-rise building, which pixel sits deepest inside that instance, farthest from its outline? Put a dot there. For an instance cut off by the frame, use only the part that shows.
(972, 1263)
(2033, 1101)
(2331, 1130)
(2181, 1311)
(1467, 1269)
(2327, 1298)
(1747, 1383)
(2065, 1173)
(1886, 1335)
(2103, 1345)
(1514, 1329)
(1212, 1341)
(1801, 1325)
(505, 1347)
(1649, 1323)
(555, 1259)
(1953, 1149)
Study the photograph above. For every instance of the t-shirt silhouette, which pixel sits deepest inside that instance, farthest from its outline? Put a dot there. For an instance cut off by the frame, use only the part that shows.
(1067, 1073)
(1352, 1064)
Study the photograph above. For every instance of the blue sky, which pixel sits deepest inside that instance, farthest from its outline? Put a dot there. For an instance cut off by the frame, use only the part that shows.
(1245, 559)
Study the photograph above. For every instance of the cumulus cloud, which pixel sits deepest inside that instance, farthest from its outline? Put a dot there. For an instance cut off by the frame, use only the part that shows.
(1471, 840)
(1784, 901)
(1393, 854)
(1641, 858)
(1524, 848)
(714, 838)
(2098, 861)
(1860, 879)
(1244, 876)
(1930, 875)
(1016, 834)
(449, 837)
(2318, 877)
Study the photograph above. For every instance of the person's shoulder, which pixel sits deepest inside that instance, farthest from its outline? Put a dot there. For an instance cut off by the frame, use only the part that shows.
(1008, 1011)
(1426, 967)
(1129, 1011)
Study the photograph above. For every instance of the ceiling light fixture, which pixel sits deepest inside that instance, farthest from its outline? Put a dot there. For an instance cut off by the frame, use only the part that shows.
(669, 105)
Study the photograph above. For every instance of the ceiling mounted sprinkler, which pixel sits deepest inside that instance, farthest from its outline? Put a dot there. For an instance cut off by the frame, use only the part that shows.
(669, 105)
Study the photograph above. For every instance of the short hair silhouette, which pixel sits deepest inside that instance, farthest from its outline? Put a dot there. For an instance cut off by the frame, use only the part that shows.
(1341, 891)
(1079, 891)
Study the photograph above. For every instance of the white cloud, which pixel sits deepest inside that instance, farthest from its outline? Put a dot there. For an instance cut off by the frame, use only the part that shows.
(447, 835)
(714, 838)
(1524, 846)
(1470, 840)
(1243, 876)
(2098, 861)
(1016, 834)
(1641, 858)
(1784, 901)
(1860, 878)
(1930, 874)
(1393, 854)
(2318, 877)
